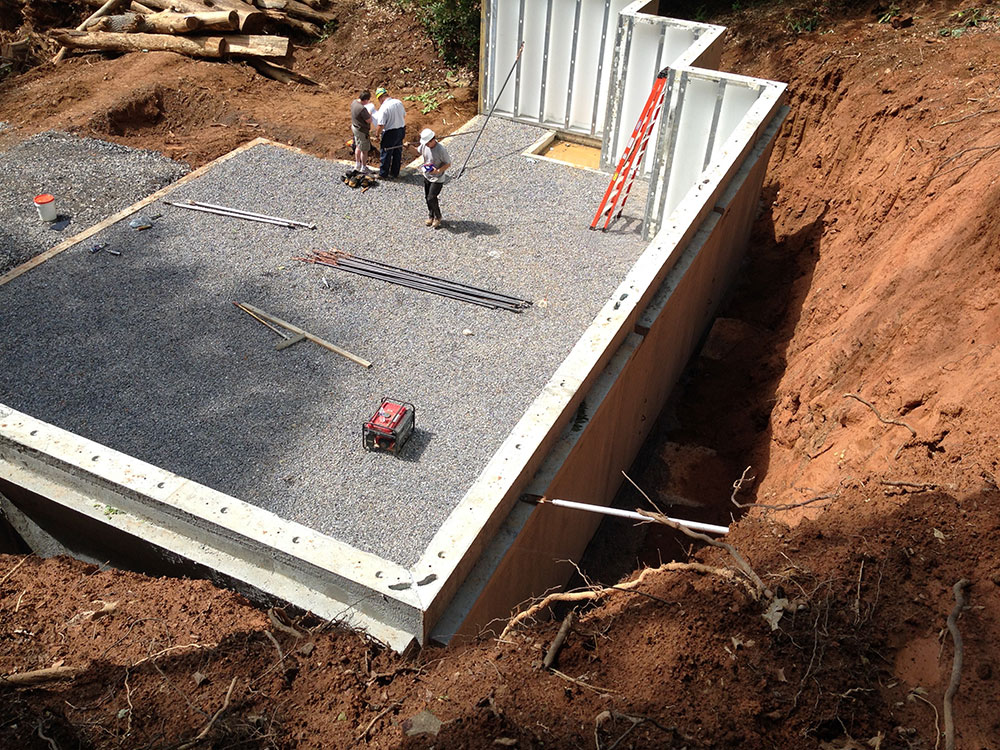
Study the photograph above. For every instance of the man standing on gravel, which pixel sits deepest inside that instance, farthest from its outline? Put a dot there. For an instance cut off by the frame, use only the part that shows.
(436, 162)
(391, 129)
(361, 125)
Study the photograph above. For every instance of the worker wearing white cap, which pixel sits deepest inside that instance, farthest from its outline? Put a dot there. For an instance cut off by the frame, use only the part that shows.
(436, 163)
(391, 129)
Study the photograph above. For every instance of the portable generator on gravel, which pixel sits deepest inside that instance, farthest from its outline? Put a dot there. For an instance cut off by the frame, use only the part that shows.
(390, 427)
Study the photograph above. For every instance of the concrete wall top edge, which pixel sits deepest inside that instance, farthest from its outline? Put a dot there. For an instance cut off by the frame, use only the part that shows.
(153, 485)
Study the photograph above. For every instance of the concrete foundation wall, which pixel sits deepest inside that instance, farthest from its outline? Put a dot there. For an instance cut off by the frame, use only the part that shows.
(528, 556)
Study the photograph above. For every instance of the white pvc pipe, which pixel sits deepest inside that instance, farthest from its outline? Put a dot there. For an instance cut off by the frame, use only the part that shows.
(693, 525)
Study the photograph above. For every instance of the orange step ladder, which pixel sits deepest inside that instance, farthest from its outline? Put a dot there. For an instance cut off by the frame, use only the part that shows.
(635, 149)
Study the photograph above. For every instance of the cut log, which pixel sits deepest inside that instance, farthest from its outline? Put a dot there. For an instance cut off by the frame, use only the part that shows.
(296, 9)
(104, 10)
(167, 22)
(280, 73)
(251, 19)
(219, 20)
(257, 46)
(134, 7)
(309, 29)
(193, 46)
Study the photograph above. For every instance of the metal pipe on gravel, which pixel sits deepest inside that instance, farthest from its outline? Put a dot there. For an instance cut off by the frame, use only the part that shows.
(278, 222)
(251, 213)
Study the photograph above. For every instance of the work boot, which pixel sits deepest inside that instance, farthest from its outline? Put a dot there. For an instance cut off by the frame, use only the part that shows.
(430, 222)
(436, 223)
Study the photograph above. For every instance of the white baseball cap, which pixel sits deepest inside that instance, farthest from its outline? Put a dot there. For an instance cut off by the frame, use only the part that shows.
(426, 136)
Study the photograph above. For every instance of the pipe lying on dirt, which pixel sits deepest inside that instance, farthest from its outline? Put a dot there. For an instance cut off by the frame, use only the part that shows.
(693, 525)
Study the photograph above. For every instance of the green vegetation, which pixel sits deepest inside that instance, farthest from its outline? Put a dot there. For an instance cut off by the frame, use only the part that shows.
(891, 12)
(328, 29)
(454, 27)
(971, 17)
(429, 100)
(967, 18)
(804, 20)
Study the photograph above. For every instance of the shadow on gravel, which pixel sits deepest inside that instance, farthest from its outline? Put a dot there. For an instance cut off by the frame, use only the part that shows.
(716, 422)
(471, 228)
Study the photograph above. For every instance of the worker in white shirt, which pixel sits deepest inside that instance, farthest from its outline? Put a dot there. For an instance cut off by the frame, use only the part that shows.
(437, 160)
(391, 129)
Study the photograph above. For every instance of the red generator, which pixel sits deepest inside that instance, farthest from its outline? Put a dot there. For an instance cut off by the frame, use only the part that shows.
(390, 426)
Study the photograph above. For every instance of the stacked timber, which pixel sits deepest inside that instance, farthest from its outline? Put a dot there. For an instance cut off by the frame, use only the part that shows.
(198, 28)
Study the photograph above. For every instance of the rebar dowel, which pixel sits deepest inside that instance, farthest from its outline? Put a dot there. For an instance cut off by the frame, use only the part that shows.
(443, 285)
(414, 280)
(419, 287)
(490, 114)
(277, 222)
(346, 258)
(430, 286)
(340, 254)
(252, 213)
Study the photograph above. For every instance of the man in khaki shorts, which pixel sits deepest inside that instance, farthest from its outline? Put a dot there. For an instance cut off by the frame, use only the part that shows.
(361, 126)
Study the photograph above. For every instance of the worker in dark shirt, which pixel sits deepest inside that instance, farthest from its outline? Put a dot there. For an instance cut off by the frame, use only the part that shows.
(361, 126)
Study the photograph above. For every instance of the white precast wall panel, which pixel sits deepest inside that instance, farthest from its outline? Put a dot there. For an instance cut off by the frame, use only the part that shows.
(564, 69)
(528, 76)
(504, 42)
(593, 56)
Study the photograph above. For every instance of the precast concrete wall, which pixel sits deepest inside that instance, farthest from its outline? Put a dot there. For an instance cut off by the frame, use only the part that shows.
(532, 549)
(573, 52)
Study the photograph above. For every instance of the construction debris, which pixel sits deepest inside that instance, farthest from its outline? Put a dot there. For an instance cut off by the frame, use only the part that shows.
(270, 321)
(357, 179)
(415, 280)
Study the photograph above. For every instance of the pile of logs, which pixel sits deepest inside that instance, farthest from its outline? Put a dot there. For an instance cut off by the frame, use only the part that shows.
(198, 28)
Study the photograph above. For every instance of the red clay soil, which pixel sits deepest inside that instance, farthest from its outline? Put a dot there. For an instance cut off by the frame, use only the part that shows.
(196, 110)
(853, 369)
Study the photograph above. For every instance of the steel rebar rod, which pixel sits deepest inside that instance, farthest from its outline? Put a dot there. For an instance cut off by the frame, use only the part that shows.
(277, 222)
(496, 101)
(426, 286)
(253, 214)
(421, 287)
(418, 285)
(339, 255)
(440, 283)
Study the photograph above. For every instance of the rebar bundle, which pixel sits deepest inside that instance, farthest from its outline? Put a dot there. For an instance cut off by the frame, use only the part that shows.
(423, 282)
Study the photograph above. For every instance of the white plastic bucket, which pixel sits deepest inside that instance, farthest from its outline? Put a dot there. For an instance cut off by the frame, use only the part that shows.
(46, 205)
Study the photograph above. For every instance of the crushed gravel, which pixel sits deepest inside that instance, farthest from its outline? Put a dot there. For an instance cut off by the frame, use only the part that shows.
(90, 180)
(144, 352)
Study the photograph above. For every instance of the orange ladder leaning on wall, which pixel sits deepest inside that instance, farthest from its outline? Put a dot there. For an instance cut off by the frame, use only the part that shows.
(628, 165)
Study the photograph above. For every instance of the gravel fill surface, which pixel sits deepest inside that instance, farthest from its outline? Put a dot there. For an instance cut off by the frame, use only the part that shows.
(90, 180)
(145, 353)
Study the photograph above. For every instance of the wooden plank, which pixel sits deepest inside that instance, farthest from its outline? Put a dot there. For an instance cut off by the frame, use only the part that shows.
(257, 44)
(126, 212)
(301, 332)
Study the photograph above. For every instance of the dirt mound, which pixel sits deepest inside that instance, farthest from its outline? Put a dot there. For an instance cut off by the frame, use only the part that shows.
(195, 110)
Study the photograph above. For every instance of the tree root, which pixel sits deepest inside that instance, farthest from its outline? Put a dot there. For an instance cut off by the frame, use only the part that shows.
(211, 722)
(881, 419)
(956, 667)
(598, 593)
